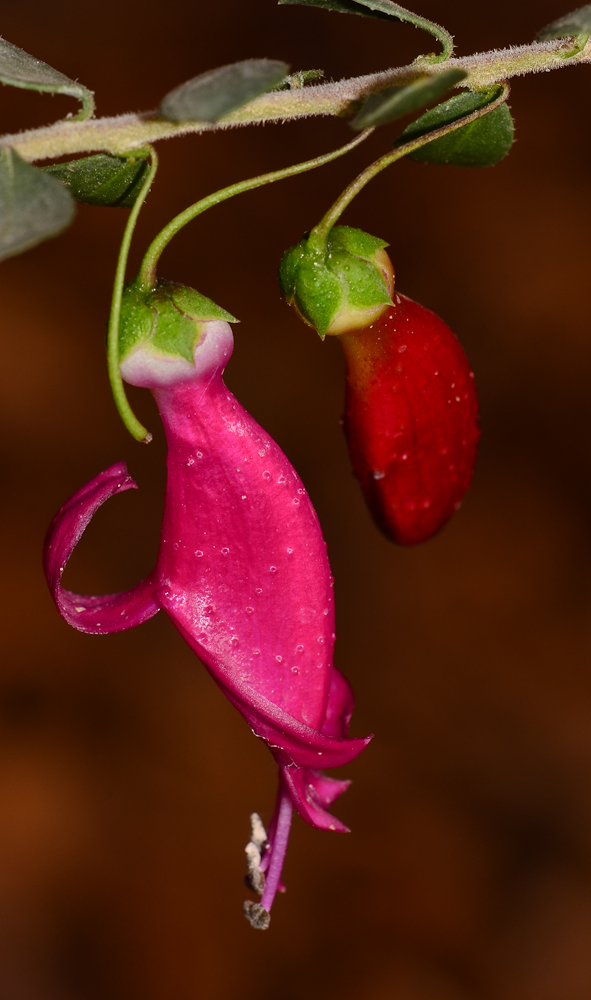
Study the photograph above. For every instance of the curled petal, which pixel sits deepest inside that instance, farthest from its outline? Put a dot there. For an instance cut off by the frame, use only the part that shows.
(311, 792)
(109, 612)
(340, 706)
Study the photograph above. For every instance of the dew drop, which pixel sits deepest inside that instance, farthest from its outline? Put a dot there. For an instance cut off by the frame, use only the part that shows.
(279, 659)
(289, 552)
(296, 501)
(321, 640)
(176, 546)
(404, 457)
(301, 492)
(199, 553)
(272, 569)
(199, 454)
(299, 649)
(266, 475)
(190, 462)
(295, 670)
(325, 612)
(402, 348)
(225, 551)
(249, 611)
(281, 479)
(234, 641)
(243, 498)
(258, 590)
(262, 452)
(378, 474)
(256, 652)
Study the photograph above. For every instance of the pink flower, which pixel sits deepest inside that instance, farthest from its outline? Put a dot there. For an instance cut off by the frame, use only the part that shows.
(243, 573)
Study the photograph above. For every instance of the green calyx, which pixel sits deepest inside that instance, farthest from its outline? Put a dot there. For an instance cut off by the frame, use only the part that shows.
(167, 319)
(339, 284)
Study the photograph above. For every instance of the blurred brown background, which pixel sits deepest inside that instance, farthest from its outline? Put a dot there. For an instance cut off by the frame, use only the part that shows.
(126, 779)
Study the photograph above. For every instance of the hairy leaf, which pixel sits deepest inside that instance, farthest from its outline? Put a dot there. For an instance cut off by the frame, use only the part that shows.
(395, 102)
(577, 23)
(210, 96)
(482, 143)
(33, 205)
(103, 179)
(19, 69)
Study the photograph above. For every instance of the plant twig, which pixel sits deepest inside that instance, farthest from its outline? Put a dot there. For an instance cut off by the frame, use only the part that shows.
(127, 132)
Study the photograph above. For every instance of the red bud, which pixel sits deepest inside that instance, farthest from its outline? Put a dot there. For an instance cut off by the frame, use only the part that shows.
(411, 419)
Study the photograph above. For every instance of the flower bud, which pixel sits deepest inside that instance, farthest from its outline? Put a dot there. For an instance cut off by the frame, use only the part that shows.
(170, 332)
(344, 284)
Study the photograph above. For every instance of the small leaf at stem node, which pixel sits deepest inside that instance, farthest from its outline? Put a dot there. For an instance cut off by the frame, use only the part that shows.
(212, 95)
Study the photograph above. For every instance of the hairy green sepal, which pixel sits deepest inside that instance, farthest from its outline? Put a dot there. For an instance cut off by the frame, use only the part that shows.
(166, 320)
(114, 181)
(339, 280)
(482, 143)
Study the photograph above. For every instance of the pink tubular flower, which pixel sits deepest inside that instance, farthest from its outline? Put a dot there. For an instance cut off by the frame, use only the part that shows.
(243, 573)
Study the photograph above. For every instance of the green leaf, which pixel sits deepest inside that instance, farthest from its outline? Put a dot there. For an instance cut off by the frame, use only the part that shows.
(395, 102)
(19, 69)
(577, 23)
(214, 94)
(342, 6)
(103, 179)
(33, 206)
(482, 143)
(386, 10)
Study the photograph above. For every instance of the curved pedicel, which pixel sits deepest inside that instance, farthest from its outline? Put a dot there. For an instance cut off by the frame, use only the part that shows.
(242, 572)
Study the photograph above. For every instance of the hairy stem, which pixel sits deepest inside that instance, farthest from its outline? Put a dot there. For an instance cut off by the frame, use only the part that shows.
(126, 132)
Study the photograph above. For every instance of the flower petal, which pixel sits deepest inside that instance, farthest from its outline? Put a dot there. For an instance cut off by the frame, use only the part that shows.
(109, 612)
(290, 741)
(311, 791)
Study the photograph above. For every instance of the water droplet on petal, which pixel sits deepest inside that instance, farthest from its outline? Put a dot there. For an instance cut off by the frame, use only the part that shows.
(279, 659)
(281, 479)
(325, 612)
(199, 553)
(272, 569)
(256, 652)
(225, 551)
(199, 454)
(289, 552)
(258, 590)
(266, 475)
(295, 670)
(249, 611)
(299, 649)
(175, 546)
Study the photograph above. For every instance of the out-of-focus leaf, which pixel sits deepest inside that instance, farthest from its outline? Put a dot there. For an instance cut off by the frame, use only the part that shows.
(482, 143)
(33, 205)
(19, 69)
(209, 97)
(342, 6)
(577, 23)
(103, 179)
(395, 102)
